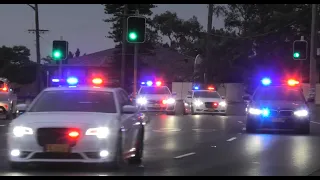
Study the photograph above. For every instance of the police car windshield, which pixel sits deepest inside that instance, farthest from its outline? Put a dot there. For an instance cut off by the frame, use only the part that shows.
(206, 94)
(278, 94)
(76, 101)
(154, 90)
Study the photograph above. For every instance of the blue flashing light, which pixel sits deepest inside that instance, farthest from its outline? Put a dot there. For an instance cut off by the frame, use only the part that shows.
(265, 112)
(266, 81)
(196, 88)
(55, 80)
(149, 83)
(143, 83)
(72, 81)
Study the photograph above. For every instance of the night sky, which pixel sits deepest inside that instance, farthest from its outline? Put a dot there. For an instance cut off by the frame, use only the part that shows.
(80, 24)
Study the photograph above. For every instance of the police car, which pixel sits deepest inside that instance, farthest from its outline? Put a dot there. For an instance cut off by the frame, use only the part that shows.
(206, 101)
(155, 97)
(79, 124)
(8, 99)
(277, 105)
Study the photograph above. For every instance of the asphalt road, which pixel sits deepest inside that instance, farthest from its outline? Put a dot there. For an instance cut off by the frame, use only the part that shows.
(204, 145)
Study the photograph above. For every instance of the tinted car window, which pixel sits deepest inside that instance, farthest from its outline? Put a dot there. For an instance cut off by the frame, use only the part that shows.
(206, 94)
(278, 94)
(154, 90)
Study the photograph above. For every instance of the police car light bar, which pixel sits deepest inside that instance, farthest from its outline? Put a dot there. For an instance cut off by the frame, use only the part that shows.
(196, 87)
(158, 83)
(292, 82)
(97, 81)
(266, 81)
(72, 81)
(55, 80)
(211, 88)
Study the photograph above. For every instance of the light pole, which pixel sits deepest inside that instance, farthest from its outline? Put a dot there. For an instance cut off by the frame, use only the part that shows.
(38, 78)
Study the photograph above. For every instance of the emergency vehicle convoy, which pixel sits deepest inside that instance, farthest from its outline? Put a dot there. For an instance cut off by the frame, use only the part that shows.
(277, 105)
(204, 101)
(153, 96)
(77, 121)
(8, 99)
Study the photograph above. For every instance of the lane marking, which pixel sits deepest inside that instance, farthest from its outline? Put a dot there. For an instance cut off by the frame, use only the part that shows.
(185, 155)
(204, 130)
(1, 125)
(231, 139)
(240, 122)
(167, 130)
(213, 146)
(315, 122)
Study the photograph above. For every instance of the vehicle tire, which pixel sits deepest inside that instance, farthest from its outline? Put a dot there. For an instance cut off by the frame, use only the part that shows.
(118, 161)
(304, 129)
(137, 159)
(250, 127)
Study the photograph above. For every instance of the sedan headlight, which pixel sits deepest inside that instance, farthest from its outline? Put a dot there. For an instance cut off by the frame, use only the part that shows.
(301, 113)
(20, 131)
(255, 111)
(170, 101)
(100, 132)
(223, 104)
(142, 101)
(198, 102)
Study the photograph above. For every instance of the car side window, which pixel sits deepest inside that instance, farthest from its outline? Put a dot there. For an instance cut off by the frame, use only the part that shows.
(126, 99)
(120, 98)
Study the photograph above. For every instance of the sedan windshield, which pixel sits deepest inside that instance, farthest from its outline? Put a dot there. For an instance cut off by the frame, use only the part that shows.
(278, 94)
(154, 90)
(206, 94)
(76, 101)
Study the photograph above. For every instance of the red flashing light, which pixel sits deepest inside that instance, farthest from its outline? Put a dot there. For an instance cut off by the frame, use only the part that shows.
(74, 134)
(215, 104)
(158, 83)
(292, 82)
(211, 88)
(97, 81)
(5, 89)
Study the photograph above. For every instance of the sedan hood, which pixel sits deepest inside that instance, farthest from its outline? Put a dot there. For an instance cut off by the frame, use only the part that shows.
(156, 96)
(66, 119)
(280, 104)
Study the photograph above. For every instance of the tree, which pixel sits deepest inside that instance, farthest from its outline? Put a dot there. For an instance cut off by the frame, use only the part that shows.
(16, 65)
(116, 19)
(71, 55)
(47, 60)
(77, 53)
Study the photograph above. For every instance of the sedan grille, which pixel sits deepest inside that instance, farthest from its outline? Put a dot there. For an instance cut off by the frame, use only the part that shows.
(54, 136)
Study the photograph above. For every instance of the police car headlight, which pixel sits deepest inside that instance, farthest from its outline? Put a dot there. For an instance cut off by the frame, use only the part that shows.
(198, 102)
(255, 111)
(142, 101)
(171, 101)
(223, 104)
(20, 131)
(301, 113)
(100, 132)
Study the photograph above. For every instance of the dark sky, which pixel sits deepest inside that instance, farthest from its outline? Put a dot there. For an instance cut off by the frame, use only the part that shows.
(80, 24)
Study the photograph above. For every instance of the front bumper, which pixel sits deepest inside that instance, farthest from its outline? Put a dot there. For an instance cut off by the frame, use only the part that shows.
(88, 149)
(204, 110)
(291, 122)
(157, 108)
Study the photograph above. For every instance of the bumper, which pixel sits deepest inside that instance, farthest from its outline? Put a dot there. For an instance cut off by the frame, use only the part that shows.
(282, 123)
(87, 150)
(204, 110)
(161, 108)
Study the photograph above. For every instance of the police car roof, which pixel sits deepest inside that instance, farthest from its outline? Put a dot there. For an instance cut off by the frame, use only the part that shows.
(88, 88)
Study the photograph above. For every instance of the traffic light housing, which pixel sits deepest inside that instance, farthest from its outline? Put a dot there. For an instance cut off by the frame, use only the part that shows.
(59, 50)
(136, 29)
(300, 50)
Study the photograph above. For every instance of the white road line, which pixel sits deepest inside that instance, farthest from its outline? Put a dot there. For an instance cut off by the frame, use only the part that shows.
(231, 139)
(240, 122)
(1, 125)
(184, 155)
(315, 122)
(204, 130)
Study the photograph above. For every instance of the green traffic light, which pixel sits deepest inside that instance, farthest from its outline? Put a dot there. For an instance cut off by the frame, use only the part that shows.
(133, 36)
(57, 55)
(296, 55)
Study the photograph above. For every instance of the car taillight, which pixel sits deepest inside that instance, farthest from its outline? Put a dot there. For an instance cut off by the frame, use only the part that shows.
(73, 134)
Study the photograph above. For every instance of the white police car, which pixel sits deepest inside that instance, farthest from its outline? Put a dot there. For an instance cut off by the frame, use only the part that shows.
(86, 124)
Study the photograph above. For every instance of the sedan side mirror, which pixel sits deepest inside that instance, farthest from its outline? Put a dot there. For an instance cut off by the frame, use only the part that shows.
(128, 109)
(21, 108)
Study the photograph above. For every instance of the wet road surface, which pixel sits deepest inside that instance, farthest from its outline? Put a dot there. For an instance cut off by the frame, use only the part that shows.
(203, 145)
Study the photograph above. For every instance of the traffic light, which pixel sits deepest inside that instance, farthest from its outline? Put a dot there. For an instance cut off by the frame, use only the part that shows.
(59, 50)
(136, 29)
(300, 50)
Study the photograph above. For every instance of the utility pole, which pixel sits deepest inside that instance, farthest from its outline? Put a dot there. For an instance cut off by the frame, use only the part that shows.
(37, 32)
(60, 63)
(124, 45)
(208, 42)
(135, 66)
(313, 62)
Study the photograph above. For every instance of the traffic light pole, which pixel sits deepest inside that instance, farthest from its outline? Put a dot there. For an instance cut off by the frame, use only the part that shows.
(135, 66)
(313, 62)
(60, 63)
(124, 44)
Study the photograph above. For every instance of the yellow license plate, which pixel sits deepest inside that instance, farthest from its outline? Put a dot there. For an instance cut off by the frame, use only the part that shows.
(62, 148)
